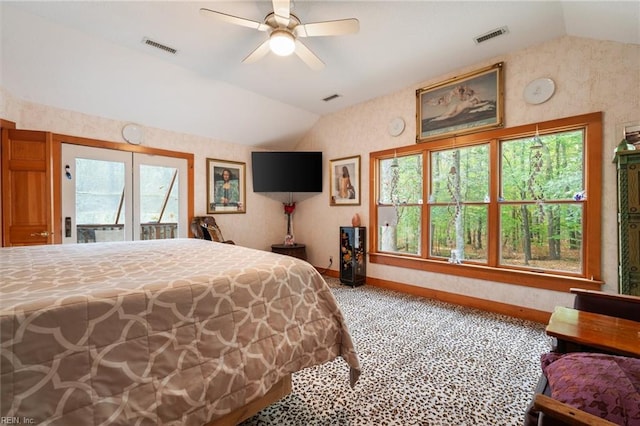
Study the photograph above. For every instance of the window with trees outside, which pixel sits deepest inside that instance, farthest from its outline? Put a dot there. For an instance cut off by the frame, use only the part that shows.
(519, 205)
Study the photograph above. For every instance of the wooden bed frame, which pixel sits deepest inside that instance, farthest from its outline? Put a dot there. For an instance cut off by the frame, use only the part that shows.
(277, 392)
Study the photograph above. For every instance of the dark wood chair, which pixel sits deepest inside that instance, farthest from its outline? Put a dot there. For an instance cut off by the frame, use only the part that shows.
(546, 411)
(206, 228)
(613, 305)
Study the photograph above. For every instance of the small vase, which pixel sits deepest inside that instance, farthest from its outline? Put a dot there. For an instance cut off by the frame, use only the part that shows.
(289, 240)
(355, 220)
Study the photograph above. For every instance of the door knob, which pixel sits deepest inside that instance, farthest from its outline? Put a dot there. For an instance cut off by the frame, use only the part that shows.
(40, 234)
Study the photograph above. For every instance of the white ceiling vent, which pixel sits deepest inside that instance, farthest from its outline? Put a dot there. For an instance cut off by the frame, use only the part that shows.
(332, 97)
(491, 34)
(160, 46)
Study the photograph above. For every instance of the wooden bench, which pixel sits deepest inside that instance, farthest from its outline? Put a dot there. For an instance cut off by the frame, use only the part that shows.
(544, 410)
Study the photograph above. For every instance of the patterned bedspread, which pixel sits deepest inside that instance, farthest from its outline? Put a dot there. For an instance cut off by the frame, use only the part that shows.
(174, 332)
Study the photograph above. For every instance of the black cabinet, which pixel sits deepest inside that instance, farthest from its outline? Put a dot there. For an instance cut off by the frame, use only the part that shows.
(353, 255)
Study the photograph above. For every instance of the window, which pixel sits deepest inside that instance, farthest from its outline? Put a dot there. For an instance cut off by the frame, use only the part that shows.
(99, 191)
(542, 200)
(458, 211)
(517, 205)
(400, 202)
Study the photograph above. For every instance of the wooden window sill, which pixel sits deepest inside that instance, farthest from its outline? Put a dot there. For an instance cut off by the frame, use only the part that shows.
(536, 279)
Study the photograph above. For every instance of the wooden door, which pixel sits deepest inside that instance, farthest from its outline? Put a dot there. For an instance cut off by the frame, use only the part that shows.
(27, 216)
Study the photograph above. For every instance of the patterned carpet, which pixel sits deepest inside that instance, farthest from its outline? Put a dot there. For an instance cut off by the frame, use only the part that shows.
(423, 363)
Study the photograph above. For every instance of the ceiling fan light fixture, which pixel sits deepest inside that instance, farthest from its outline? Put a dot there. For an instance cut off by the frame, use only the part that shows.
(284, 31)
(282, 43)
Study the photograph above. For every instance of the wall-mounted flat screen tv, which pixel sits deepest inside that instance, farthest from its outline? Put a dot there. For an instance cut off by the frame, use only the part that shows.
(287, 171)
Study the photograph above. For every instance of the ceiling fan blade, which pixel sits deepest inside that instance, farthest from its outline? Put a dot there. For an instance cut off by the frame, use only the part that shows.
(259, 53)
(281, 11)
(328, 28)
(235, 20)
(308, 57)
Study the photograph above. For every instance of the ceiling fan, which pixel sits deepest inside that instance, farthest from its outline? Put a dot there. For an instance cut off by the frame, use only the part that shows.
(285, 30)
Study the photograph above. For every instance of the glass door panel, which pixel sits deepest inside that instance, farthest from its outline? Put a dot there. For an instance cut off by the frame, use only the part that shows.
(111, 195)
(160, 183)
(95, 192)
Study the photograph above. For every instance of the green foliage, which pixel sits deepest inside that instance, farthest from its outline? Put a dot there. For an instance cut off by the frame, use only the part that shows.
(401, 179)
(401, 186)
(470, 165)
(443, 238)
(552, 171)
(540, 224)
(542, 234)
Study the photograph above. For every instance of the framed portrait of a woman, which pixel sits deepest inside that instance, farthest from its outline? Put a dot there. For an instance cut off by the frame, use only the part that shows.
(226, 186)
(344, 178)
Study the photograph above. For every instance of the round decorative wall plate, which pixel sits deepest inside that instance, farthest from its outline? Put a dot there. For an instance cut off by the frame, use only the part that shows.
(132, 133)
(539, 90)
(396, 126)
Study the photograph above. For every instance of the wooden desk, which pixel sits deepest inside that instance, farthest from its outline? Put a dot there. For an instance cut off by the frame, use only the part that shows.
(295, 250)
(610, 334)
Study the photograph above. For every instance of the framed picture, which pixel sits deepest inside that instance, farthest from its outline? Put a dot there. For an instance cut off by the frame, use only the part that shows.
(344, 181)
(465, 104)
(226, 186)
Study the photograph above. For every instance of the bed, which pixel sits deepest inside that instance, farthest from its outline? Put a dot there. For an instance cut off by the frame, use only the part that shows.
(164, 332)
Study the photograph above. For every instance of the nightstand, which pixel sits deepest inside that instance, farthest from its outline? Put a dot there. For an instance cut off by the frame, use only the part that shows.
(295, 250)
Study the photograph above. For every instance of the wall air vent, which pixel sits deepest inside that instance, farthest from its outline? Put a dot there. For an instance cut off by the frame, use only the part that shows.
(160, 46)
(332, 97)
(491, 34)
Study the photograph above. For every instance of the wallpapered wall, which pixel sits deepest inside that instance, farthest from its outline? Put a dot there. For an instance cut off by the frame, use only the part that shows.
(261, 226)
(590, 76)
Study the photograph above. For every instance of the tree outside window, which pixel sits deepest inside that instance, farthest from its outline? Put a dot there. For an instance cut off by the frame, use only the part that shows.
(501, 204)
(541, 213)
(458, 203)
(400, 194)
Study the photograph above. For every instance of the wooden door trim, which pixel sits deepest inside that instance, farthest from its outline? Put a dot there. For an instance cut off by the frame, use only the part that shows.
(6, 124)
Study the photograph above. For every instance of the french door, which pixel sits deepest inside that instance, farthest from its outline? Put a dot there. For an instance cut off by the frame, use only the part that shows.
(111, 195)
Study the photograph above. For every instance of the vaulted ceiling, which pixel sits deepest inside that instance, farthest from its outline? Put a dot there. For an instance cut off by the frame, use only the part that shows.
(90, 57)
